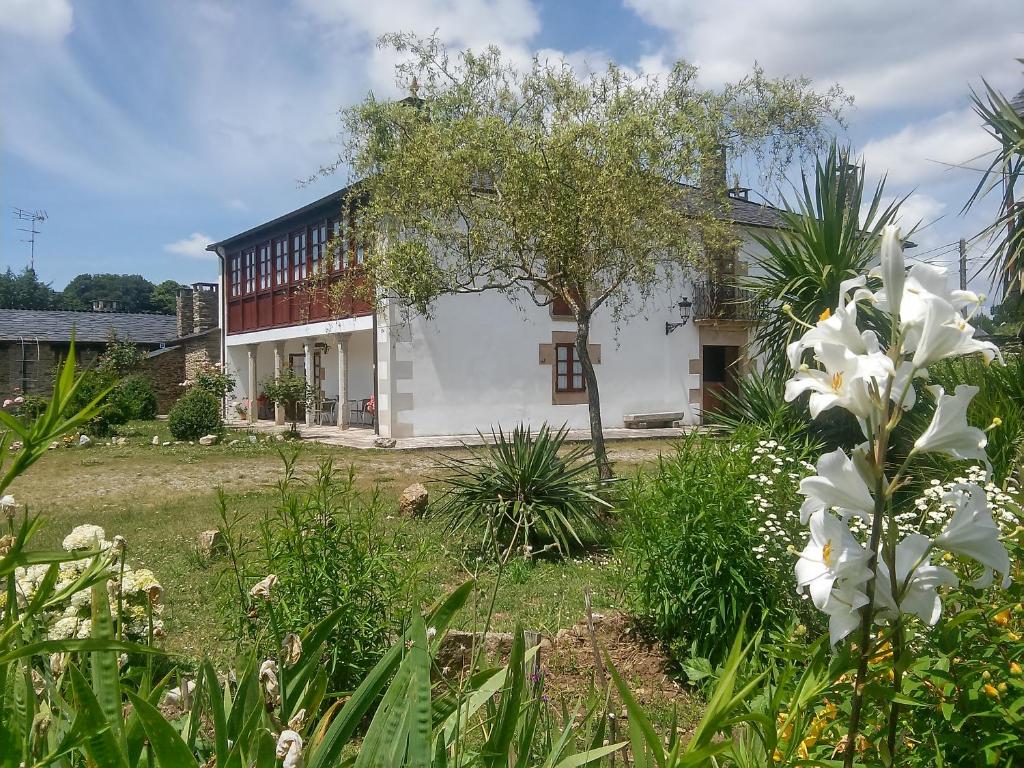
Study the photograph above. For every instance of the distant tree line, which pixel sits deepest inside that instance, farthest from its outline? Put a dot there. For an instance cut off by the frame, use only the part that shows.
(133, 293)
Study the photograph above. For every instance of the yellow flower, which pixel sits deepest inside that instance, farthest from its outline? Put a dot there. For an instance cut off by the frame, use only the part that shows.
(1015, 669)
(990, 691)
(824, 315)
(1002, 618)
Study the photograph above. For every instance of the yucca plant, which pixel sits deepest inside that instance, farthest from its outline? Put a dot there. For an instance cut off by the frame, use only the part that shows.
(827, 237)
(1006, 125)
(524, 490)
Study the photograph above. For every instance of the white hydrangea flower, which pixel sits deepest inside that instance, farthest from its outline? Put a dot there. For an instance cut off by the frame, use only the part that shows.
(64, 629)
(85, 536)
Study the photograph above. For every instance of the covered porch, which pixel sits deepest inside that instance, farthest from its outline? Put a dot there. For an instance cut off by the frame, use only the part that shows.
(337, 363)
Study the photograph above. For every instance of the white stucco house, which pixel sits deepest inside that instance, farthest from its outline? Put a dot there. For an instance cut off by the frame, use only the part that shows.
(478, 361)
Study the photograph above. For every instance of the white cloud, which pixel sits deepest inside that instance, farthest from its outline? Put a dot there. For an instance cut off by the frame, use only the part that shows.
(193, 246)
(38, 20)
(926, 150)
(236, 204)
(888, 54)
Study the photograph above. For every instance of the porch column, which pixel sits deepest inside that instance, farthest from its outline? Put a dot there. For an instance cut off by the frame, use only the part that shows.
(278, 365)
(251, 352)
(343, 381)
(308, 350)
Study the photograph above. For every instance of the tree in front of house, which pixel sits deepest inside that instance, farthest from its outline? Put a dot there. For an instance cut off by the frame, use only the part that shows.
(24, 290)
(164, 298)
(288, 389)
(547, 186)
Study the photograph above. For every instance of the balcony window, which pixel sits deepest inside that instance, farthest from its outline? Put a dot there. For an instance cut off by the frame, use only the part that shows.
(339, 234)
(250, 270)
(299, 266)
(281, 262)
(264, 267)
(317, 242)
(360, 239)
(235, 274)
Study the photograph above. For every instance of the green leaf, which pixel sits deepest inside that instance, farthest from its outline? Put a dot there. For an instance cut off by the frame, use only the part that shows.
(106, 677)
(100, 744)
(168, 747)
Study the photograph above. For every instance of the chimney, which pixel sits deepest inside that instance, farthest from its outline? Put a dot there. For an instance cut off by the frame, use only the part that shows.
(204, 307)
(713, 170)
(185, 312)
(105, 305)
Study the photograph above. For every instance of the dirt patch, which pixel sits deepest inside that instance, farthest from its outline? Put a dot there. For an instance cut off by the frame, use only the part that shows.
(568, 662)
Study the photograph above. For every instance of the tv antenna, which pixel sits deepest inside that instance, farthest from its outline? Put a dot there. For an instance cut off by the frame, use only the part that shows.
(32, 218)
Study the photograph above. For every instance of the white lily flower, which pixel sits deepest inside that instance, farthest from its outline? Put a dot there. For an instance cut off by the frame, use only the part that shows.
(837, 484)
(831, 553)
(893, 269)
(843, 609)
(949, 431)
(289, 748)
(261, 589)
(917, 581)
(844, 382)
(945, 333)
(971, 532)
(291, 649)
(268, 679)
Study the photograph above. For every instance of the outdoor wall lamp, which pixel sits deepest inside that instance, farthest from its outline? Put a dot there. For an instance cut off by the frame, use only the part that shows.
(684, 314)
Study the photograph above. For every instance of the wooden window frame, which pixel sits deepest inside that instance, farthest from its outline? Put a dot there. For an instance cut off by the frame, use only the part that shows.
(265, 266)
(300, 255)
(317, 247)
(235, 274)
(573, 369)
(249, 270)
(282, 260)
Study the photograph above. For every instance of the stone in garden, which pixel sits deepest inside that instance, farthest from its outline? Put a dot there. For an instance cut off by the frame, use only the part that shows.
(155, 440)
(165, 443)
(212, 543)
(233, 442)
(208, 440)
(413, 501)
(253, 439)
(456, 650)
(85, 441)
(120, 441)
(16, 445)
(54, 445)
(385, 442)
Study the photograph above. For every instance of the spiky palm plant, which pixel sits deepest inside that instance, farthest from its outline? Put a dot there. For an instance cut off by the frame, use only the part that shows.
(827, 237)
(524, 489)
(1006, 125)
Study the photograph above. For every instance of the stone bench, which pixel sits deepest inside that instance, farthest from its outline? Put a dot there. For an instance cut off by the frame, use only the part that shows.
(651, 420)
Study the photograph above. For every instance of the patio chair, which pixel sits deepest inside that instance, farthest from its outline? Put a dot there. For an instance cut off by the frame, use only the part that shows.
(326, 412)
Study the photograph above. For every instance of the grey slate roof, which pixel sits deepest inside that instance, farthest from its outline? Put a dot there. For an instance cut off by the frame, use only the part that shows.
(754, 214)
(47, 325)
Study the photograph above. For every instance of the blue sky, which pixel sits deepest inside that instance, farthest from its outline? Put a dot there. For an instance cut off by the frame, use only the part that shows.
(145, 129)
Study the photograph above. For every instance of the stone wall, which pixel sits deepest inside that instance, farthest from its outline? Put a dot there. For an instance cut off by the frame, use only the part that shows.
(200, 350)
(35, 374)
(165, 371)
(186, 310)
(204, 307)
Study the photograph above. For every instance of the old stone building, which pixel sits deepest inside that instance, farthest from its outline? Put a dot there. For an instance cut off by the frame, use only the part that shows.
(34, 342)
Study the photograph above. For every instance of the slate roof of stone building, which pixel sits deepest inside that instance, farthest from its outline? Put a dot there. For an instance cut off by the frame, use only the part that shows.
(46, 325)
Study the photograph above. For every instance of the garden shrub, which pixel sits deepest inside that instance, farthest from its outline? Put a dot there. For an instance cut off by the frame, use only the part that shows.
(196, 413)
(524, 489)
(705, 541)
(327, 544)
(135, 399)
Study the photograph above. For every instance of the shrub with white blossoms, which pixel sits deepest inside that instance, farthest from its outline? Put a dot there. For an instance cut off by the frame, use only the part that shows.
(135, 593)
(871, 561)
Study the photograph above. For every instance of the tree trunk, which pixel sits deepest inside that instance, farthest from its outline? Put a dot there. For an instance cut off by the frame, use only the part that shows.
(604, 467)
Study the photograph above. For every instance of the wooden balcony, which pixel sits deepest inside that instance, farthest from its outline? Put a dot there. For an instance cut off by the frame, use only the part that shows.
(293, 304)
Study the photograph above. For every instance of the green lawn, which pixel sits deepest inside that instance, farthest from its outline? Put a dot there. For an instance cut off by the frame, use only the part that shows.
(161, 497)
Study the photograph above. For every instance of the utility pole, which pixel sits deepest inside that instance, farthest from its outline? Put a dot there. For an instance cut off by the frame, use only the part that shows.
(963, 264)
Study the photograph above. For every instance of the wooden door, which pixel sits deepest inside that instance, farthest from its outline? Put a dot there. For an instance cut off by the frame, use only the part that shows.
(718, 374)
